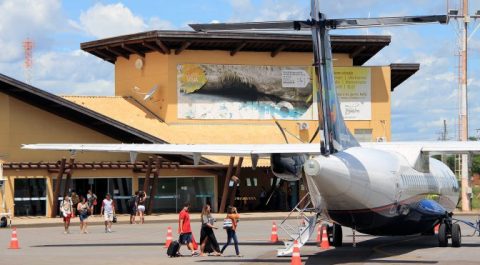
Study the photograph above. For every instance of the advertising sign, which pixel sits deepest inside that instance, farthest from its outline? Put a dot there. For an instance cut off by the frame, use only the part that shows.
(251, 92)
(354, 91)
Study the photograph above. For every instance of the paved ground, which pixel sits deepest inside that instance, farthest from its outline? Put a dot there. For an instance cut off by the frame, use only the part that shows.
(143, 244)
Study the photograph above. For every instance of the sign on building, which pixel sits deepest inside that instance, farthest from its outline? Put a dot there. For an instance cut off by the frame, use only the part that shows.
(253, 92)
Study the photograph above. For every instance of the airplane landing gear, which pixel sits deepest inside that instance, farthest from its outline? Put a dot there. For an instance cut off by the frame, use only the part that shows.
(448, 230)
(335, 235)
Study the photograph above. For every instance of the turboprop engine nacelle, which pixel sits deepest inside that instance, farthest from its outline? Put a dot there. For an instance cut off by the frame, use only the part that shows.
(288, 166)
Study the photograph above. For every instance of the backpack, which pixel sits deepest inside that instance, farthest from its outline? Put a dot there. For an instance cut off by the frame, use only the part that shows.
(172, 250)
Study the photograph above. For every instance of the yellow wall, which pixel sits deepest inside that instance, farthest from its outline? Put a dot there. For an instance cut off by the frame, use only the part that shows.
(26, 124)
(161, 69)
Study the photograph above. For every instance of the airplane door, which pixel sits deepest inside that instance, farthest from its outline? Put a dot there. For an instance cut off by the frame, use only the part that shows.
(398, 194)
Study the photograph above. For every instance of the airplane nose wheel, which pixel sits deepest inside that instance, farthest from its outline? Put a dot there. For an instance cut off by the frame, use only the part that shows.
(335, 235)
(449, 230)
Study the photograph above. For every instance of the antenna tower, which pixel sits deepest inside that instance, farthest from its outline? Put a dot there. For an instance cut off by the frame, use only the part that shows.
(28, 45)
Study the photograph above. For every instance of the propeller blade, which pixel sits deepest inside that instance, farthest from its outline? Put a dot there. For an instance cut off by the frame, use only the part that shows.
(269, 25)
(384, 21)
(314, 134)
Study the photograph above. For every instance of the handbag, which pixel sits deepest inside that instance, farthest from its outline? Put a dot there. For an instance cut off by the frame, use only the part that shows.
(114, 219)
(227, 223)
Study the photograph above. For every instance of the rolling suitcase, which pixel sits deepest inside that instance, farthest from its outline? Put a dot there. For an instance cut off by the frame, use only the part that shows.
(172, 250)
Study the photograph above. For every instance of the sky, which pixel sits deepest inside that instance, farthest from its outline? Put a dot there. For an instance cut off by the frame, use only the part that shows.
(419, 105)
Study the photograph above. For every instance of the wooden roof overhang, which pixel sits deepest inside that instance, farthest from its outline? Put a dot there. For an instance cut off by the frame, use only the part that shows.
(359, 47)
(401, 72)
(81, 115)
(139, 166)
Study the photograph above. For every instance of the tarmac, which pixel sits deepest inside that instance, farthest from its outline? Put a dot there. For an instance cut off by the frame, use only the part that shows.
(37, 221)
(41, 221)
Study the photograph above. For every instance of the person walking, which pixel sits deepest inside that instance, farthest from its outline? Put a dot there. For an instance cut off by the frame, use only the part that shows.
(66, 210)
(92, 201)
(108, 211)
(185, 230)
(142, 198)
(132, 205)
(83, 211)
(231, 229)
(208, 241)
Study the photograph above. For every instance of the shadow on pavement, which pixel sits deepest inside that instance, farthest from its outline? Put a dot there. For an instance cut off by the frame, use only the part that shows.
(253, 243)
(381, 250)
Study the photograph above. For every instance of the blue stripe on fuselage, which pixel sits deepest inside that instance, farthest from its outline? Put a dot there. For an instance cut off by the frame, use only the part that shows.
(407, 219)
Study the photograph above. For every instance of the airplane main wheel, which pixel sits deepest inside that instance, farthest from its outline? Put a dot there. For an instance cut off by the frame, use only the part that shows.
(337, 236)
(456, 236)
(442, 235)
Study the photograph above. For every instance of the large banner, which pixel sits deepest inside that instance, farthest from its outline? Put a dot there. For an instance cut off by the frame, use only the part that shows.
(212, 91)
(354, 91)
(249, 92)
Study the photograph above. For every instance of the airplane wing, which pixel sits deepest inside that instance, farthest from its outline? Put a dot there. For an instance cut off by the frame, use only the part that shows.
(186, 149)
(432, 147)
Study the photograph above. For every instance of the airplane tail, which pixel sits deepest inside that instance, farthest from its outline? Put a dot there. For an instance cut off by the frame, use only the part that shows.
(336, 136)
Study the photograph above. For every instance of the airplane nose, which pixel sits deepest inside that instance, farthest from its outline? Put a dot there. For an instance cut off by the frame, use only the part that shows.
(329, 174)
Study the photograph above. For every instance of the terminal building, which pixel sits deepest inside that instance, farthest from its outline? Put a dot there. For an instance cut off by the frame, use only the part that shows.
(187, 87)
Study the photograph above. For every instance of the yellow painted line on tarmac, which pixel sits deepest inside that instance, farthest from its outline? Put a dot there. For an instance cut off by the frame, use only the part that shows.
(383, 252)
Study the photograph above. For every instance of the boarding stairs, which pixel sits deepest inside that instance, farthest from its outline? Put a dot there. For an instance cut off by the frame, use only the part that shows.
(299, 225)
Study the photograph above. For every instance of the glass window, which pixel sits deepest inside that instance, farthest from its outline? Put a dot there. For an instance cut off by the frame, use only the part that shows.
(363, 135)
(30, 197)
(249, 182)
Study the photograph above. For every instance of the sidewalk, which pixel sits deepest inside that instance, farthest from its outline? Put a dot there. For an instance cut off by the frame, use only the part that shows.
(36, 221)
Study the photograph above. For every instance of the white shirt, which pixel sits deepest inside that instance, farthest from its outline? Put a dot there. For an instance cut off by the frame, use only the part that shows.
(107, 206)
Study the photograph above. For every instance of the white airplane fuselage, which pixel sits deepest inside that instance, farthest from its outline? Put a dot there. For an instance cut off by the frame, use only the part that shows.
(378, 192)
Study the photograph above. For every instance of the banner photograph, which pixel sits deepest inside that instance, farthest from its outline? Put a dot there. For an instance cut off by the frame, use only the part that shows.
(250, 92)
(212, 91)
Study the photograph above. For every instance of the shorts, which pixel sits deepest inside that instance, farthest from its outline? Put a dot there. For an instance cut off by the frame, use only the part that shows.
(133, 211)
(108, 217)
(141, 208)
(185, 239)
(67, 218)
(83, 217)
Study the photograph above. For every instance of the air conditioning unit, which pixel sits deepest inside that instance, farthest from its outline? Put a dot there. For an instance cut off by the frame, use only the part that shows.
(381, 139)
(303, 126)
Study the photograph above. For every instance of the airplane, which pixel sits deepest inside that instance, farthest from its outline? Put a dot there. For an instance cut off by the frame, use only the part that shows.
(393, 188)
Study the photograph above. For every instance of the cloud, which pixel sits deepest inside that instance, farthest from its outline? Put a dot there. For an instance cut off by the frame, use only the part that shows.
(103, 21)
(74, 72)
(23, 19)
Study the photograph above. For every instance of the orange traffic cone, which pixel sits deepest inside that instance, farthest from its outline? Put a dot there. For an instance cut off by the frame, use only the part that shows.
(274, 237)
(436, 229)
(324, 244)
(319, 235)
(296, 259)
(14, 240)
(169, 237)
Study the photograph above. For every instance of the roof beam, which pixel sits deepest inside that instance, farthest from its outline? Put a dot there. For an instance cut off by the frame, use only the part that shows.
(153, 47)
(117, 53)
(356, 52)
(184, 46)
(131, 50)
(278, 50)
(239, 47)
(105, 56)
(162, 46)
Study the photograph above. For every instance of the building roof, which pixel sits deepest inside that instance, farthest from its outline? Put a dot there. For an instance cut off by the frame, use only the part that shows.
(360, 48)
(77, 113)
(132, 113)
(401, 72)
